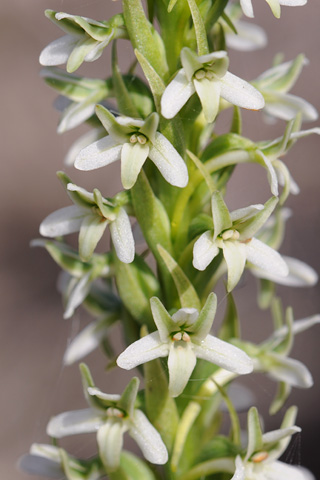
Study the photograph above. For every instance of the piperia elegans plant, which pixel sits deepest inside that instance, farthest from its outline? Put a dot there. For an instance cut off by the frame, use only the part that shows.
(160, 119)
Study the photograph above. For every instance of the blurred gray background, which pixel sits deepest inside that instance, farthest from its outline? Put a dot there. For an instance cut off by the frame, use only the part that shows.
(34, 384)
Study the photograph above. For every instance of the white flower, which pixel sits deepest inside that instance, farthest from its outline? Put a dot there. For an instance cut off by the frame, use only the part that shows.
(207, 75)
(233, 234)
(85, 39)
(110, 416)
(133, 141)
(261, 460)
(90, 216)
(275, 6)
(275, 83)
(184, 337)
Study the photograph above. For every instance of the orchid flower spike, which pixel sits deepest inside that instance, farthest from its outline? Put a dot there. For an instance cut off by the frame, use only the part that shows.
(110, 416)
(133, 141)
(264, 449)
(233, 234)
(85, 40)
(275, 6)
(184, 337)
(90, 215)
(207, 75)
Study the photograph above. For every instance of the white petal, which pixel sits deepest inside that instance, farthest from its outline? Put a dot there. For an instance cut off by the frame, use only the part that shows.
(235, 256)
(241, 93)
(78, 112)
(224, 355)
(82, 142)
(98, 154)
(286, 107)
(122, 237)
(280, 470)
(110, 441)
(132, 160)
(176, 95)
(58, 51)
(204, 251)
(249, 37)
(41, 466)
(74, 422)
(168, 161)
(276, 435)
(247, 9)
(266, 258)
(181, 363)
(148, 439)
(209, 94)
(293, 3)
(85, 342)
(77, 295)
(239, 474)
(63, 221)
(246, 212)
(300, 274)
(142, 351)
(290, 371)
(272, 176)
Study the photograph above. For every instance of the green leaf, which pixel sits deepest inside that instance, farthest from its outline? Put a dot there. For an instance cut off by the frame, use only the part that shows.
(160, 406)
(156, 83)
(199, 27)
(144, 37)
(136, 284)
(283, 392)
(129, 395)
(236, 126)
(215, 12)
(265, 293)
(230, 327)
(124, 101)
(187, 294)
(134, 468)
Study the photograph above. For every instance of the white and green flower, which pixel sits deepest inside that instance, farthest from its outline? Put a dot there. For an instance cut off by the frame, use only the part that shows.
(208, 76)
(233, 233)
(264, 449)
(275, 83)
(133, 141)
(184, 337)
(85, 40)
(90, 216)
(275, 6)
(110, 416)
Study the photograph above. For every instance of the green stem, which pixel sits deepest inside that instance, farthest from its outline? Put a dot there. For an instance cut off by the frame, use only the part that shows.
(207, 468)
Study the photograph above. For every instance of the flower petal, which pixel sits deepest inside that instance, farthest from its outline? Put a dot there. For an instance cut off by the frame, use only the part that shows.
(290, 371)
(181, 362)
(249, 37)
(247, 9)
(132, 160)
(74, 422)
(91, 231)
(63, 221)
(266, 258)
(276, 470)
(168, 161)
(240, 473)
(79, 292)
(142, 351)
(98, 154)
(176, 95)
(300, 274)
(209, 94)
(286, 107)
(58, 51)
(148, 439)
(110, 441)
(122, 237)
(235, 256)
(204, 251)
(241, 93)
(224, 354)
(41, 466)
